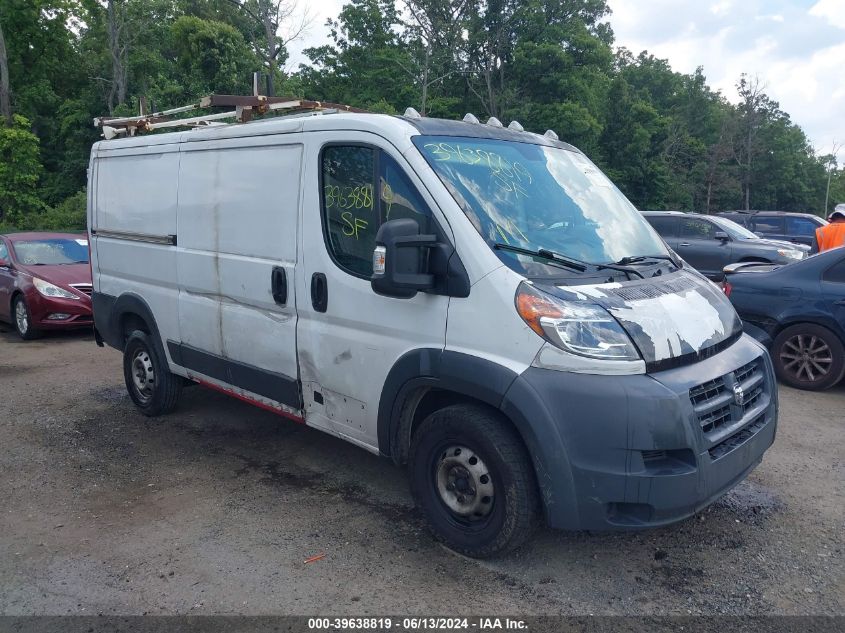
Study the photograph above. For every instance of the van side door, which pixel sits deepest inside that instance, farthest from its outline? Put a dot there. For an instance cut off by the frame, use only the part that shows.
(237, 252)
(348, 336)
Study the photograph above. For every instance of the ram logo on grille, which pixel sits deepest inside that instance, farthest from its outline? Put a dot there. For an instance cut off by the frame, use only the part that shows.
(739, 395)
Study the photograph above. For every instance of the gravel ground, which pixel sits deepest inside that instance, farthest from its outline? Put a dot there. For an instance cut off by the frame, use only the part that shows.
(213, 509)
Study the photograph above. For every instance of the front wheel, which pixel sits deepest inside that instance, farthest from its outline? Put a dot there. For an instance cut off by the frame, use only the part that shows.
(473, 480)
(23, 320)
(151, 385)
(808, 356)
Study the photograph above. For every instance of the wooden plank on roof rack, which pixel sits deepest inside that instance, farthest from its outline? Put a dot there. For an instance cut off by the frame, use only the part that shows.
(253, 101)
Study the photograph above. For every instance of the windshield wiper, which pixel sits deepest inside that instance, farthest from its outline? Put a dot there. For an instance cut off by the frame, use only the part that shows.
(636, 259)
(544, 253)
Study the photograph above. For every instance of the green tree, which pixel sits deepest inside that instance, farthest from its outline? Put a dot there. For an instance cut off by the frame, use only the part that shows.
(212, 57)
(20, 169)
(632, 147)
(366, 62)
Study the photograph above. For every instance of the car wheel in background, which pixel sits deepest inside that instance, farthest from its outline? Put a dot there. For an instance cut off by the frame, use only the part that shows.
(473, 480)
(23, 320)
(151, 385)
(808, 356)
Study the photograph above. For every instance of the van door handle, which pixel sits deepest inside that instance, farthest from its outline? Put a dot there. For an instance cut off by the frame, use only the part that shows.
(319, 292)
(684, 244)
(841, 302)
(279, 285)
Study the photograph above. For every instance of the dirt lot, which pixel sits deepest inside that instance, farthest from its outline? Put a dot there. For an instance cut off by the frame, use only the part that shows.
(213, 509)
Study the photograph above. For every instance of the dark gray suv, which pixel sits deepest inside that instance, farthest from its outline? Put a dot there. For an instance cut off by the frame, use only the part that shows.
(709, 243)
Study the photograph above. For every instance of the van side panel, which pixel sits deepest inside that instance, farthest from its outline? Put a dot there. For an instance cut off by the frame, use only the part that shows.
(237, 223)
(133, 222)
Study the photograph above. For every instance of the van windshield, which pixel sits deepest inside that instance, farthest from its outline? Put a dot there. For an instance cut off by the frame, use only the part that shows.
(535, 197)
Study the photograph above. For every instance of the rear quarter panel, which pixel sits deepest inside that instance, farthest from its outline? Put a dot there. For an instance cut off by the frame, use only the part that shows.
(135, 189)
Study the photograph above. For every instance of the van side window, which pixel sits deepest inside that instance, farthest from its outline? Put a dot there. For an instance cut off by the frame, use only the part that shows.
(362, 189)
(4, 252)
(349, 206)
(399, 198)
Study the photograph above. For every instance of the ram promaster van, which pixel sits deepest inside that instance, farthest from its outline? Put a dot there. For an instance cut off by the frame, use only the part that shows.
(476, 302)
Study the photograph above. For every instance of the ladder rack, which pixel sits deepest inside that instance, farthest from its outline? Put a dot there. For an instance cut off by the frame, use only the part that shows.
(245, 108)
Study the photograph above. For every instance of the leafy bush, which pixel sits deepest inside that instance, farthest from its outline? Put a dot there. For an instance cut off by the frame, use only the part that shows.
(68, 215)
(20, 169)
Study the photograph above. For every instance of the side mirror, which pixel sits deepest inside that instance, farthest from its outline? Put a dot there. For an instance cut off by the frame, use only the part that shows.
(4, 263)
(722, 236)
(400, 259)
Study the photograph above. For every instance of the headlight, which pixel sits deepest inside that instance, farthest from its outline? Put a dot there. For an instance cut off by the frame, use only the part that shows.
(579, 328)
(790, 253)
(49, 290)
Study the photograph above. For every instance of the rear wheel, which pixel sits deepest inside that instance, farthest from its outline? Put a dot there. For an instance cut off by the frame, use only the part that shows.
(473, 480)
(151, 385)
(23, 320)
(809, 356)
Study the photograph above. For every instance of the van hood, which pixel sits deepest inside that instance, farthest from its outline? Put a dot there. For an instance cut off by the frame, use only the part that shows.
(667, 317)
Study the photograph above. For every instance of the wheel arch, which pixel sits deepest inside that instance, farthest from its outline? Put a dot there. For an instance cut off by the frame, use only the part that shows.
(788, 321)
(427, 377)
(425, 380)
(115, 317)
(17, 292)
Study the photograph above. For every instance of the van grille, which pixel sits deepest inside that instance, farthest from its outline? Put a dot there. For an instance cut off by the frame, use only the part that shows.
(739, 438)
(724, 404)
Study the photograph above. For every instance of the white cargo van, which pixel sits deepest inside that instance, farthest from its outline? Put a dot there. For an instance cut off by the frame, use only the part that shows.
(479, 303)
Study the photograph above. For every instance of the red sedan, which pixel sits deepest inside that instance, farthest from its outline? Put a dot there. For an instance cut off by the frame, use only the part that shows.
(45, 282)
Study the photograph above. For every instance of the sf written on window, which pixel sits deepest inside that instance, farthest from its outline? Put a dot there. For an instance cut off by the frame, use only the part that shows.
(362, 189)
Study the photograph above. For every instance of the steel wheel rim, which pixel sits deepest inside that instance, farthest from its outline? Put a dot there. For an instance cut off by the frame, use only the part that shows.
(21, 317)
(143, 374)
(806, 357)
(464, 484)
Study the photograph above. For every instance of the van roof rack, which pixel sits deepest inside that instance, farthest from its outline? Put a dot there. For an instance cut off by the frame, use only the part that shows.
(245, 108)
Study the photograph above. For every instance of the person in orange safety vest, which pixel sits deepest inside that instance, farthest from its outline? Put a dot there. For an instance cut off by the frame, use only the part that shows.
(833, 234)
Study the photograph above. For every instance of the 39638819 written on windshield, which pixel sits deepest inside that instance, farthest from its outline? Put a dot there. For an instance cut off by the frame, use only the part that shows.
(539, 197)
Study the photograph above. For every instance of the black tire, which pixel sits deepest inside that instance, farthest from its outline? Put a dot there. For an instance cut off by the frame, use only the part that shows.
(23, 326)
(808, 356)
(151, 385)
(510, 513)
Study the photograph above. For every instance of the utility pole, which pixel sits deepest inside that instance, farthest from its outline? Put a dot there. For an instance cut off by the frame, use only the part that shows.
(5, 100)
(830, 162)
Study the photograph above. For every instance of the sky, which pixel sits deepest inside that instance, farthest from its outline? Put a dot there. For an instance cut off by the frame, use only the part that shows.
(795, 47)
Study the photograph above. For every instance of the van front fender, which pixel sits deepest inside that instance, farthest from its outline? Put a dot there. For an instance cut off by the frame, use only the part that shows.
(499, 387)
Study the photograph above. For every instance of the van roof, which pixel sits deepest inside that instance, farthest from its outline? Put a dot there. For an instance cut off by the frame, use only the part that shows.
(389, 126)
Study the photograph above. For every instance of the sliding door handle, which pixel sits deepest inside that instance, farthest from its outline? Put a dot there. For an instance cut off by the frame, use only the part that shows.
(279, 285)
(319, 292)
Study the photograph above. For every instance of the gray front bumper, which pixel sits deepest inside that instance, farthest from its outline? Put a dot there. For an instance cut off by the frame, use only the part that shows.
(615, 452)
